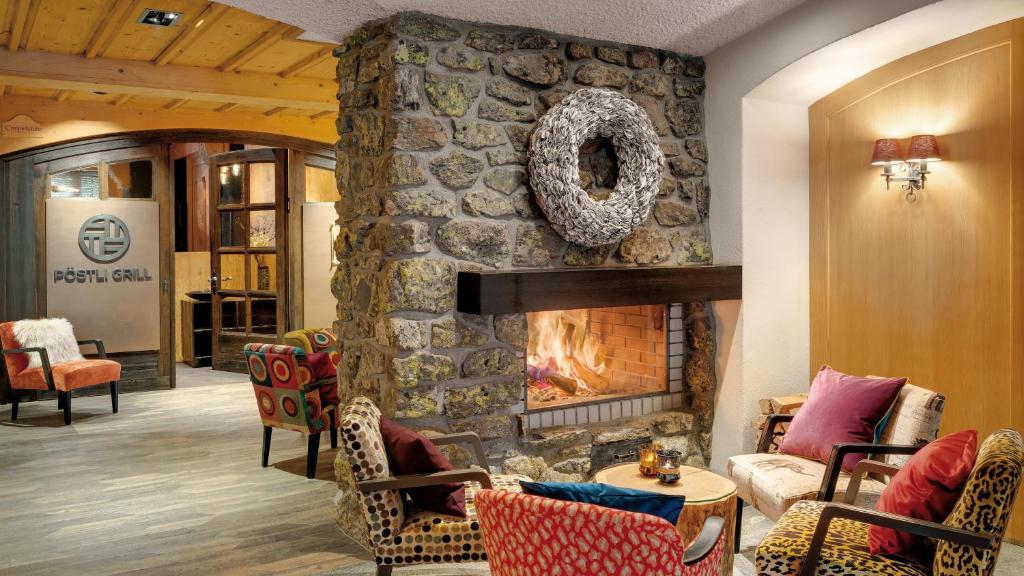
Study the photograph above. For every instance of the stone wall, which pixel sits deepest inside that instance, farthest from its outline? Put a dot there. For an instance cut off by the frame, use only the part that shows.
(434, 125)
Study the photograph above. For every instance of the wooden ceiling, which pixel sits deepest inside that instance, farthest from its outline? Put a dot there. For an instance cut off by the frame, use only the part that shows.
(213, 58)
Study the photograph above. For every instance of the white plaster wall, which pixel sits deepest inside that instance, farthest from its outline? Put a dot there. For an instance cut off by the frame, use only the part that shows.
(759, 89)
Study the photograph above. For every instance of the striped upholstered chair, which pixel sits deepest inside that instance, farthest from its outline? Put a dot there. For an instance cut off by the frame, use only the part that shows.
(832, 538)
(288, 397)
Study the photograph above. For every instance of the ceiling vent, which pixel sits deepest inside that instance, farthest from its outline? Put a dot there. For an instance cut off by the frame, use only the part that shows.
(162, 18)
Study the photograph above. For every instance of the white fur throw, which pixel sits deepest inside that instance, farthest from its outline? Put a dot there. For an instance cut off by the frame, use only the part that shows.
(54, 334)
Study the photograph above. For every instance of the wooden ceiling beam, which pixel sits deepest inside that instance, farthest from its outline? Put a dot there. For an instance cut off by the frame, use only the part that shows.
(62, 95)
(18, 22)
(191, 33)
(320, 115)
(307, 62)
(120, 99)
(108, 28)
(34, 69)
(275, 111)
(30, 23)
(175, 104)
(272, 36)
(226, 107)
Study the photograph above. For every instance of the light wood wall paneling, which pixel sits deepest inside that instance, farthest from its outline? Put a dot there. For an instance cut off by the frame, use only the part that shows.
(932, 290)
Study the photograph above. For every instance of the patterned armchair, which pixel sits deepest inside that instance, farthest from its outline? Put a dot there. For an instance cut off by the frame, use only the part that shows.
(832, 538)
(313, 340)
(400, 536)
(772, 482)
(533, 536)
(61, 378)
(288, 398)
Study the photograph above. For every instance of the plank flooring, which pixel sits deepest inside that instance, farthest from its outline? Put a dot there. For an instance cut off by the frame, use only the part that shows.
(172, 485)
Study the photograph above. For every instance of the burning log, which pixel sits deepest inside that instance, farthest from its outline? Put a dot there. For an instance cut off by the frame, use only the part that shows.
(564, 383)
(594, 381)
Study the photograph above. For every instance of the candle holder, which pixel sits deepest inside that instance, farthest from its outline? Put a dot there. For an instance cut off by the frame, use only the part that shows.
(649, 460)
(668, 466)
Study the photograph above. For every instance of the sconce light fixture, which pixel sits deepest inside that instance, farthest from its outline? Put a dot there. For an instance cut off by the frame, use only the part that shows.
(924, 148)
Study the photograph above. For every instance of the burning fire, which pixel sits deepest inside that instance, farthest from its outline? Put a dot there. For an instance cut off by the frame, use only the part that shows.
(563, 357)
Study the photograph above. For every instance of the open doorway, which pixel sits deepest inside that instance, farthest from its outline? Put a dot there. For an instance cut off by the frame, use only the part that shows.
(161, 186)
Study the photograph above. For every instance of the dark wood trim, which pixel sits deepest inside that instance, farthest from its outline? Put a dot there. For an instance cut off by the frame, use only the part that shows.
(470, 438)
(769, 433)
(508, 291)
(840, 451)
(421, 480)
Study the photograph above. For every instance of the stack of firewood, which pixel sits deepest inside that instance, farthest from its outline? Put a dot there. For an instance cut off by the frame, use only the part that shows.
(777, 405)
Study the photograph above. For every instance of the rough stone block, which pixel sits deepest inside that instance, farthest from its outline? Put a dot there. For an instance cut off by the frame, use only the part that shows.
(477, 135)
(475, 240)
(480, 400)
(490, 362)
(504, 180)
(535, 41)
(494, 42)
(405, 171)
(486, 427)
(645, 245)
(602, 76)
(494, 110)
(511, 329)
(509, 91)
(420, 202)
(451, 95)
(459, 59)
(416, 403)
(425, 27)
(669, 213)
(456, 170)
(417, 133)
(414, 370)
(540, 69)
(611, 55)
(529, 466)
(684, 116)
(537, 245)
(422, 284)
(486, 203)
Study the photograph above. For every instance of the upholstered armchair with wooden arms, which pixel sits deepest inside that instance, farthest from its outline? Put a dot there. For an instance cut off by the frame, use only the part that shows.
(401, 537)
(62, 378)
(534, 536)
(815, 537)
(314, 340)
(773, 482)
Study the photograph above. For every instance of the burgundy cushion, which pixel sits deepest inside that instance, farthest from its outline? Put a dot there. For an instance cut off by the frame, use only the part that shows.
(926, 488)
(839, 408)
(410, 452)
(321, 365)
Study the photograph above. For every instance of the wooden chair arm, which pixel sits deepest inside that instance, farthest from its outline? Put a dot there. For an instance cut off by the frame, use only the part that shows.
(706, 540)
(768, 433)
(860, 471)
(44, 359)
(470, 438)
(839, 451)
(421, 480)
(101, 351)
(923, 528)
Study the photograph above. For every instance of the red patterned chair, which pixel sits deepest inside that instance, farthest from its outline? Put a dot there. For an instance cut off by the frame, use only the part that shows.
(289, 398)
(62, 377)
(314, 340)
(534, 536)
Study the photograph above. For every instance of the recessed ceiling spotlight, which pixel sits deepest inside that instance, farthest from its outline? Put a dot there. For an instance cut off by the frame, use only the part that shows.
(155, 17)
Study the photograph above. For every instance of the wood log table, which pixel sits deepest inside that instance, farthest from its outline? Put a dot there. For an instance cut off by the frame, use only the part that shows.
(707, 494)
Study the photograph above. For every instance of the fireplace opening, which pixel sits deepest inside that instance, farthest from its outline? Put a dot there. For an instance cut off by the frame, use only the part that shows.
(595, 354)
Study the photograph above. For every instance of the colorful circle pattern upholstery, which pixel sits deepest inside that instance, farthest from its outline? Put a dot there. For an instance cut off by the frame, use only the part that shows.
(285, 394)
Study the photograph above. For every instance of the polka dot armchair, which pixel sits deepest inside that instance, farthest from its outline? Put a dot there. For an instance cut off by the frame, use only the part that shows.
(401, 535)
(288, 397)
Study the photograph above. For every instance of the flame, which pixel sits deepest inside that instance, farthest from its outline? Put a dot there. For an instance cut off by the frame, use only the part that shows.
(558, 337)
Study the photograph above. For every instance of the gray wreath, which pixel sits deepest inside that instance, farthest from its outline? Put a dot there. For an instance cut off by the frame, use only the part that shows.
(555, 171)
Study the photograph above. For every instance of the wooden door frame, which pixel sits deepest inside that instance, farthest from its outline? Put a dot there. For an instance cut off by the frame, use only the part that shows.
(297, 162)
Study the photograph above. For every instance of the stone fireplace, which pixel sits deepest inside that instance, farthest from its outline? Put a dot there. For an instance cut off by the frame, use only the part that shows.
(434, 124)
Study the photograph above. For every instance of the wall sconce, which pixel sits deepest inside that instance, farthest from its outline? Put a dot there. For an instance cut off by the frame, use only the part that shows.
(924, 148)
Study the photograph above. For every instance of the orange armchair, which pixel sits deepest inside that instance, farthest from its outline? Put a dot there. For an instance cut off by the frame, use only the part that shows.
(61, 378)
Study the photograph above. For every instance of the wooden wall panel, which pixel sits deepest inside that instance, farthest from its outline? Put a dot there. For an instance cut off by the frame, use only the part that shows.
(926, 289)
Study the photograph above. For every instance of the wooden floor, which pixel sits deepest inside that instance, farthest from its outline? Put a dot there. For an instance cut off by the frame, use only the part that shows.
(172, 484)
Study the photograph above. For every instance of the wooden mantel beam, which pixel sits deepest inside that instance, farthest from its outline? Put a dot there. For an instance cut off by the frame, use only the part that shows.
(34, 69)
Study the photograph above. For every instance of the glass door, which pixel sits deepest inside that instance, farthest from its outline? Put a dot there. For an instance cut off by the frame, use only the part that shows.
(248, 251)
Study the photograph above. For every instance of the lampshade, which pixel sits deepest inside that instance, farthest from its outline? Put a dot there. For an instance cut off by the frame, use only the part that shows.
(924, 147)
(887, 151)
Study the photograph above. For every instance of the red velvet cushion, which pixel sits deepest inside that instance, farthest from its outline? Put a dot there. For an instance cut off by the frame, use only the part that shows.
(926, 488)
(410, 452)
(321, 365)
(840, 408)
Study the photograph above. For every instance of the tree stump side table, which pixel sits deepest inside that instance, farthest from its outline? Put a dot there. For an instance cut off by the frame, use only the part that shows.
(707, 494)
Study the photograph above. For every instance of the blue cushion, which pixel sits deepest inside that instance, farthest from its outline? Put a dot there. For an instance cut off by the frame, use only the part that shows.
(660, 505)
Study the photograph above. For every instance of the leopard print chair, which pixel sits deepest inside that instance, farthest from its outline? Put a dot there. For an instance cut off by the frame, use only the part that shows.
(400, 535)
(980, 515)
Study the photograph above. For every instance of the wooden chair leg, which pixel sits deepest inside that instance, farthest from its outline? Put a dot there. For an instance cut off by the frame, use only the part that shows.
(113, 396)
(311, 453)
(739, 524)
(14, 404)
(383, 570)
(67, 407)
(267, 430)
(334, 434)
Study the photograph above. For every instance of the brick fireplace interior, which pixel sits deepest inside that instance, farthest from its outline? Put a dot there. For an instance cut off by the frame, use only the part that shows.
(592, 355)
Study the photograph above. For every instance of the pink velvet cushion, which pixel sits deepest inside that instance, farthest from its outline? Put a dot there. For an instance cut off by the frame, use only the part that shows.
(926, 488)
(840, 408)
